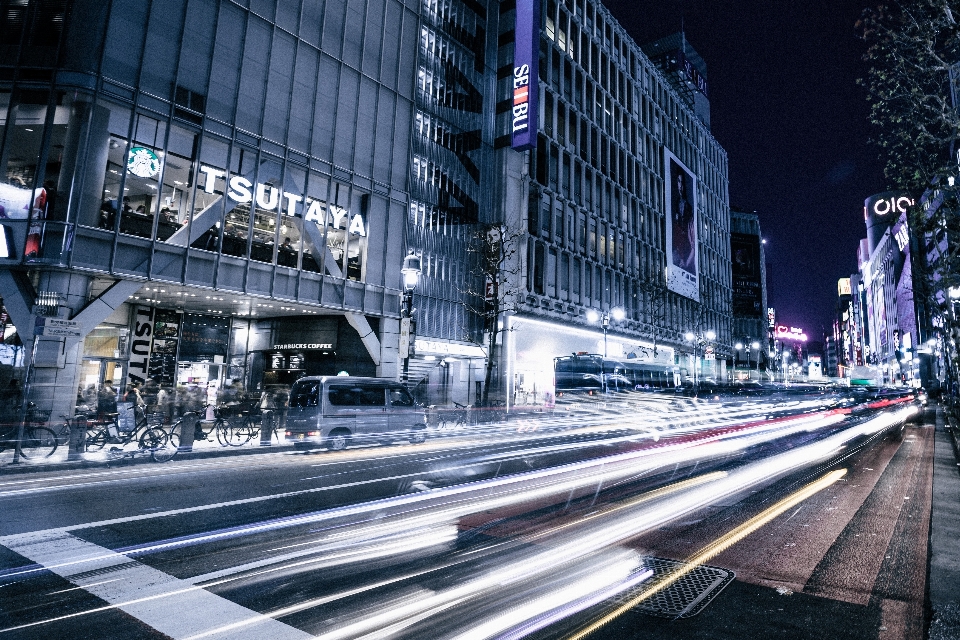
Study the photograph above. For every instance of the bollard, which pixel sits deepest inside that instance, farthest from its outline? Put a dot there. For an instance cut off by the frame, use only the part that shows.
(188, 424)
(78, 439)
(266, 427)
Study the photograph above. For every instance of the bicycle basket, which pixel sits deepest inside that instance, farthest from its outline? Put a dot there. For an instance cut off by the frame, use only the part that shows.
(38, 416)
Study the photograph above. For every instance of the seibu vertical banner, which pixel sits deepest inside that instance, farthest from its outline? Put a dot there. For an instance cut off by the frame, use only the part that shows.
(526, 57)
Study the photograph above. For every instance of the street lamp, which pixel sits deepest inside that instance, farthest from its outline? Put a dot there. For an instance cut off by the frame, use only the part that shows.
(698, 341)
(410, 273)
(604, 317)
(755, 346)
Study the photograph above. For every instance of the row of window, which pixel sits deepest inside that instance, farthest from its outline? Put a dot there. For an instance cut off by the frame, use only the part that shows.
(565, 277)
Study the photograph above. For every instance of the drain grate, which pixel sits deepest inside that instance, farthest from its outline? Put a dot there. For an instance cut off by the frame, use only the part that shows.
(687, 596)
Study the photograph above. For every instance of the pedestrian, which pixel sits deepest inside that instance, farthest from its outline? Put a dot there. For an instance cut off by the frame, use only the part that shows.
(107, 399)
(149, 395)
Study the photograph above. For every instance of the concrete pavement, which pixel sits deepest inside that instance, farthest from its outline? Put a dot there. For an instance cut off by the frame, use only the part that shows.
(944, 575)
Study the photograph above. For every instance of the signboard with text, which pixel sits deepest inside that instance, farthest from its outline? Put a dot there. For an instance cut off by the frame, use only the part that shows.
(525, 82)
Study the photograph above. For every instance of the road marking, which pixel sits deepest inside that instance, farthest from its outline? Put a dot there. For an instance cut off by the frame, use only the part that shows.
(169, 605)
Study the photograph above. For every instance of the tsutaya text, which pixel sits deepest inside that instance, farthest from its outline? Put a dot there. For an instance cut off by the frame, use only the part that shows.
(270, 198)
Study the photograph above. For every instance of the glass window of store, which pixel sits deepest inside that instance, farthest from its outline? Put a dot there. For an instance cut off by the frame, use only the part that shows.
(103, 369)
(268, 201)
(131, 182)
(28, 188)
(289, 236)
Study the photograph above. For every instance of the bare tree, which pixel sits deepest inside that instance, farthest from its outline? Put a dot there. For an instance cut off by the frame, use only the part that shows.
(494, 288)
(656, 298)
(913, 58)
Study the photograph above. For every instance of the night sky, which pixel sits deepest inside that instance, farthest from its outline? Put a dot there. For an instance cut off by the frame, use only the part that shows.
(785, 105)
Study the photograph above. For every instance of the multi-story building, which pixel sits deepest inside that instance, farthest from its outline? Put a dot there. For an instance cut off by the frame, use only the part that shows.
(202, 193)
(892, 331)
(748, 263)
(621, 207)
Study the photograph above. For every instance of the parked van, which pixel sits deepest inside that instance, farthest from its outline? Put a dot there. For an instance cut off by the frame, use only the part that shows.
(333, 411)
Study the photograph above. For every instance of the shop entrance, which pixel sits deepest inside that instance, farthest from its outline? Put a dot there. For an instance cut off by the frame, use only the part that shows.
(94, 372)
(203, 378)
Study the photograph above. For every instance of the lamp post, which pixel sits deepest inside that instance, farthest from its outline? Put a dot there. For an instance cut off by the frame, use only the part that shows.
(408, 328)
(755, 346)
(604, 317)
(736, 362)
(698, 340)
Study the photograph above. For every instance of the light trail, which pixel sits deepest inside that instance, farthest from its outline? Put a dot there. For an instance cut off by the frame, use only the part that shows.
(715, 548)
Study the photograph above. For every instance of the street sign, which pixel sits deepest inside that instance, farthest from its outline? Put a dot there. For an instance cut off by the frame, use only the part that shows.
(404, 346)
(55, 327)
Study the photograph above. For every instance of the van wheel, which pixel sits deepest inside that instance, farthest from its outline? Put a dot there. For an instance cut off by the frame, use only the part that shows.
(419, 436)
(338, 439)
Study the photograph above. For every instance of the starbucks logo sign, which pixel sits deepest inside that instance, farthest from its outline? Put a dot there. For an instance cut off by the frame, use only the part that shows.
(143, 162)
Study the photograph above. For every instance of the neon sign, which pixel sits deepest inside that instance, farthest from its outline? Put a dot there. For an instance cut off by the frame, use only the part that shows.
(789, 333)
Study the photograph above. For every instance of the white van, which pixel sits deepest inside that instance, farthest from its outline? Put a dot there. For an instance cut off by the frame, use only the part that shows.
(333, 411)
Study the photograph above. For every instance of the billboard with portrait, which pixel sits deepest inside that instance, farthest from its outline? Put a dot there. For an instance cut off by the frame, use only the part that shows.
(680, 191)
(747, 285)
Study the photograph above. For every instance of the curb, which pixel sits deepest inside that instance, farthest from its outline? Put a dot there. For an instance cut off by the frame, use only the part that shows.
(73, 465)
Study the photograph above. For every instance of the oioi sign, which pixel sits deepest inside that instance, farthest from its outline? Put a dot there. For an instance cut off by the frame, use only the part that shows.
(269, 198)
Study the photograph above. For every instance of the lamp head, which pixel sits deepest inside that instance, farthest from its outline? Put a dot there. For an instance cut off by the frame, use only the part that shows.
(689, 336)
(738, 346)
(592, 316)
(618, 314)
(411, 271)
(710, 335)
(755, 345)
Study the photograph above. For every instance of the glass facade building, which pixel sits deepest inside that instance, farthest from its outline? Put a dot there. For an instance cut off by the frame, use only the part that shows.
(244, 177)
(601, 224)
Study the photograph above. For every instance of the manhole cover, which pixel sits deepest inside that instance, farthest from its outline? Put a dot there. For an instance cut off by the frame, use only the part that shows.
(684, 598)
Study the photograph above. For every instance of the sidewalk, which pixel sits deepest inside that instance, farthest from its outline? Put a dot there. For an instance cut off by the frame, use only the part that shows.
(201, 449)
(944, 572)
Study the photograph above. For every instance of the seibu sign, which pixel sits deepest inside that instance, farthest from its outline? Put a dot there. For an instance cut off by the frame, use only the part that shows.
(267, 197)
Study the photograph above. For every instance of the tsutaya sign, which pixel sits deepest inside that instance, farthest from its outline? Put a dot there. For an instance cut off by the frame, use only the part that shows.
(270, 198)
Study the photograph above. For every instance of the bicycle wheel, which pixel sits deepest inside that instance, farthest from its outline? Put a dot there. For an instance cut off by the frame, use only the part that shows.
(162, 445)
(96, 440)
(38, 442)
(236, 434)
(224, 432)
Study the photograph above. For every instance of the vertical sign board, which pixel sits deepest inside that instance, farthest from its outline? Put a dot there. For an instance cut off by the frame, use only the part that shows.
(141, 344)
(680, 191)
(747, 285)
(526, 58)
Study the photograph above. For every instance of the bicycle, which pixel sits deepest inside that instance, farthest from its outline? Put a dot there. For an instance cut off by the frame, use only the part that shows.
(452, 418)
(148, 433)
(234, 427)
(36, 442)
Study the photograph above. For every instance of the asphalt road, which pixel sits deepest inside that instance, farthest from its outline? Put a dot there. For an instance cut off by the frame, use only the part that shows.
(474, 534)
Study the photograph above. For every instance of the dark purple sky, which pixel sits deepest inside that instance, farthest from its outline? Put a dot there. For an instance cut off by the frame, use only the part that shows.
(785, 105)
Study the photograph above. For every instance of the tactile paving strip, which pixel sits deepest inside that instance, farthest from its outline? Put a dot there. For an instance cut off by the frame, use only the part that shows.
(684, 598)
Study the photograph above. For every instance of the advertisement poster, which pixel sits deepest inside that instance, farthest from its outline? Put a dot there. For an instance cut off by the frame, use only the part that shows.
(747, 285)
(204, 338)
(681, 204)
(163, 358)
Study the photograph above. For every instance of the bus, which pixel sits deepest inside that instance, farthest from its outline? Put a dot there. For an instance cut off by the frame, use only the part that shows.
(591, 372)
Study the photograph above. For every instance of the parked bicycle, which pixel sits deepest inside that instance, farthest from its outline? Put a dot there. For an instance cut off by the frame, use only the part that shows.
(148, 433)
(235, 426)
(36, 442)
(449, 419)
